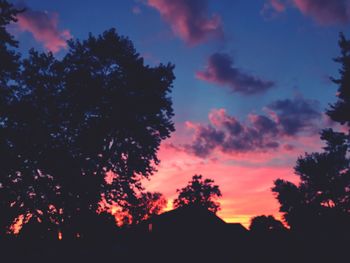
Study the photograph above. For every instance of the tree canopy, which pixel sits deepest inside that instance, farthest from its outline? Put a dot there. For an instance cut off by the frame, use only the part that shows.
(8, 57)
(65, 123)
(9, 67)
(339, 111)
(143, 206)
(200, 192)
(323, 195)
(264, 224)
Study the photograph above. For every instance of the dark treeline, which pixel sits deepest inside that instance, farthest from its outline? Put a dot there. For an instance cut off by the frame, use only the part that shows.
(77, 136)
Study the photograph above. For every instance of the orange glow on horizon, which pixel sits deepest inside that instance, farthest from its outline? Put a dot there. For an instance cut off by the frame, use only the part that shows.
(245, 179)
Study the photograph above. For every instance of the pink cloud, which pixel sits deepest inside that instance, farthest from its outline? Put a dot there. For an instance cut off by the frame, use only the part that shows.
(278, 5)
(272, 8)
(189, 19)
(44, 28)
(278, 129)
(324, 12)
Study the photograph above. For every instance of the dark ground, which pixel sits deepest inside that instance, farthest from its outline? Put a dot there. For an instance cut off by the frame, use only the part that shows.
(251, 248)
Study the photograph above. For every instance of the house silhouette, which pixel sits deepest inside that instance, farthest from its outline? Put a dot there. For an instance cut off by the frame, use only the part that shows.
(188, 234)
(190, 222)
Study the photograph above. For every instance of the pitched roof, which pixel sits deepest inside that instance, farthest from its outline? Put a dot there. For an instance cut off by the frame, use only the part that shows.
(189, 215)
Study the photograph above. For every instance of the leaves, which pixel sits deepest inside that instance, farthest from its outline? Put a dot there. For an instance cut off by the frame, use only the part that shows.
(98, 110)
(323, 193)
(200, 192)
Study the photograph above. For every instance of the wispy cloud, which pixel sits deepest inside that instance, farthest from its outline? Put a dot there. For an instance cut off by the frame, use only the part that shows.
(189, 19)
(324, 12)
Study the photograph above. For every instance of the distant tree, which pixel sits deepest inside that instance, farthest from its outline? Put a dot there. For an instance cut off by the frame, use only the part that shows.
(68, 122)
(201, 192)
(143, 207)
(322, 198)
(264, 224)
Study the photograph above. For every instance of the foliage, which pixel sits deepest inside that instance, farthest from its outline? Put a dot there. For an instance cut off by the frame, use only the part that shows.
(9, 68)
(339, 111)
(8, 57)
(143, 207)
(323, 195)
(264, 224)
(66, 123)
(200, 192)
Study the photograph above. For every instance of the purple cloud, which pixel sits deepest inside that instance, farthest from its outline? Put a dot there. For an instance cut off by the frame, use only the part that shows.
(189, 19)
(206, 139)
(287, 118)
(220, 70)
(296, 115)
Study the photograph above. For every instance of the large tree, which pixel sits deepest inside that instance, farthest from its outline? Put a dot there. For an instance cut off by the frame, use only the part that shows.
(322, 198)
(199, 192)
(98, 109)
(9, 68)
(8, 57)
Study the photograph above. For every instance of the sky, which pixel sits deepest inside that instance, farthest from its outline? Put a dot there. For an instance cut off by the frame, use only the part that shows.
(252, 82)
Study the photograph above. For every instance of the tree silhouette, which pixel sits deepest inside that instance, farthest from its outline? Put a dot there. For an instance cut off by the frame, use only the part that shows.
(69, 122)
(199, 192)
(144, 206)
(8, 57)
(323, 195)
(339, 111)
(265, 224)
(9, 68)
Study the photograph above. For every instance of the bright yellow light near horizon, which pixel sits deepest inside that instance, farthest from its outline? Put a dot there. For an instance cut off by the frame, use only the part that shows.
(243, 219)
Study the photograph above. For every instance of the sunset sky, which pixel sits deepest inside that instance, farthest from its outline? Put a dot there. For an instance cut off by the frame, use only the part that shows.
(252, 82)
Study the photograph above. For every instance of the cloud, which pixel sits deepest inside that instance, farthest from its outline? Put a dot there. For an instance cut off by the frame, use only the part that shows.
(206, 139)
(278, 5)
(272, 8)
(229, 135)
(296, 115)
(189, 19)
(221, 70)
(44, 28)
(284, 121)
(325, 12)
(136, 10)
